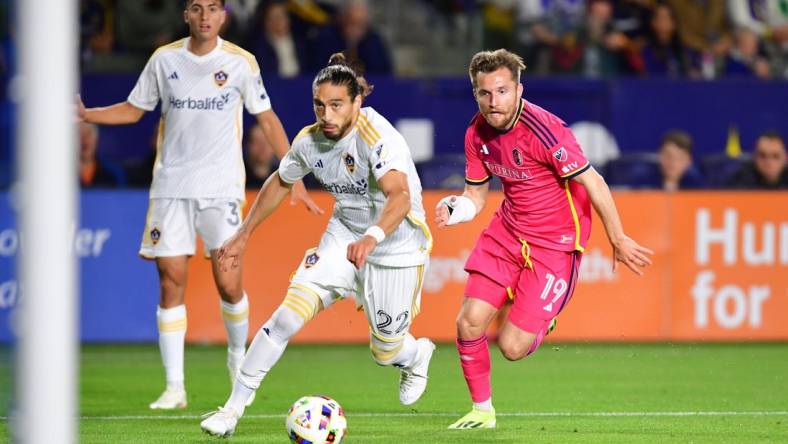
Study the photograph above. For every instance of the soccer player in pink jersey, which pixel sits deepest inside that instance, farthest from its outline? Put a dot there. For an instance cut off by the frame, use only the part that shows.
(530, 252)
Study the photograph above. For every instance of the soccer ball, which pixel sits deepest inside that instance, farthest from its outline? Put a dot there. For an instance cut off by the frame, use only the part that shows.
(316, 420)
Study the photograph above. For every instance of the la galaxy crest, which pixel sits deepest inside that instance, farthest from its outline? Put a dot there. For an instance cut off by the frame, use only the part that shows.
(517, 156)
(350, 162)
(311, 260)
(220, 78)
(155, 235)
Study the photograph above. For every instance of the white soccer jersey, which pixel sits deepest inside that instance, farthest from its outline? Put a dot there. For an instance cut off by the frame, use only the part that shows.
(349, 169)
(200, 132)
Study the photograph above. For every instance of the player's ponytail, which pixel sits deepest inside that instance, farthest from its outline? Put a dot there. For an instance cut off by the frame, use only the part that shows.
(339, 72)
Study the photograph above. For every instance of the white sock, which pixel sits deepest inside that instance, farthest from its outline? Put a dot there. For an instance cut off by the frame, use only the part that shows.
(267, 347)
(484, 406)
(236, 321)
(407, 355)
(172, 332)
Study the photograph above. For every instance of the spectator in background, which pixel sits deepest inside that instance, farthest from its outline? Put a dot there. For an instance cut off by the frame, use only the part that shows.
(144, 25)
(260, 161)
(675, 163)
(242, 14)
(745, 58)
(596, 49)
(705, 30)
(6, 47)
(92, 172)
(542, 24)
(275, 46)
(664, 54)
(769, 169)
(352, 35)
(769, 20)
(96, 28)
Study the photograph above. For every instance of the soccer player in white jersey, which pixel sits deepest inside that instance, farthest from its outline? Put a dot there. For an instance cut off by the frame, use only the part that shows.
(203, 84)
(376, 244)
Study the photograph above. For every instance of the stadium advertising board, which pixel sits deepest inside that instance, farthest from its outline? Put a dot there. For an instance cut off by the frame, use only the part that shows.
(720, 273)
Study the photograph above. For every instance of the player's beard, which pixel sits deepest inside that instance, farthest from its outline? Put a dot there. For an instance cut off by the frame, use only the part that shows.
(340, 132)
(501, 121)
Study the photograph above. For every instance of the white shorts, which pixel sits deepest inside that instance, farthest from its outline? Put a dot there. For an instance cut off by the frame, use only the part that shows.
(390, 296)
(171, 225)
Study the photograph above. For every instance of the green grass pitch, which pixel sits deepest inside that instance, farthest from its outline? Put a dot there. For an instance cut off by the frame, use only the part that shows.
(564, 393)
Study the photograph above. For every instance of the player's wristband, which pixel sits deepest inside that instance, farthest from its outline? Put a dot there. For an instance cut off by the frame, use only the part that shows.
(376, 232)
(461, 209)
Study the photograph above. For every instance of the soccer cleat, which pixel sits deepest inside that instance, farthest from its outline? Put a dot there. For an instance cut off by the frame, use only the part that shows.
(234, 367)
(413, 381)
(169, 400)
(476, 419)
(222, 422)
(552, 325)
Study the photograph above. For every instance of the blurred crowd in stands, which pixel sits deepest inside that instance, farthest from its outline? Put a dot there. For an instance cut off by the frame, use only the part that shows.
(701, 39)
(288, 38)
(692, 39)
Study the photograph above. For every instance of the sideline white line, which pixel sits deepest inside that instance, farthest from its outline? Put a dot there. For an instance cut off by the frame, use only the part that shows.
(445, 414)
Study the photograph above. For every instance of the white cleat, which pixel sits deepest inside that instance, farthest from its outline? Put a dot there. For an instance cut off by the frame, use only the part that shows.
(413, 381)
(221, 422)
(234, 367)
(169, 400)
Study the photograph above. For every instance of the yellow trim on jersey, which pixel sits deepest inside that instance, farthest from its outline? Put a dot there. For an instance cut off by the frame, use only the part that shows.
(368, 132)
(235, 317)
(479, 181)
(364, 133)
(526, 252)
(414, 307)
(237, 50)
(424, 228)
(510, 293)
(159, 144)
(309, 129)
(575, 171)
(174, 45)
(168, 327)
(368, 123)
(575, 219)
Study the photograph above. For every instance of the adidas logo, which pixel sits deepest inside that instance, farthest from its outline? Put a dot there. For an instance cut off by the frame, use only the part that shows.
(319, 164)
(173, 76)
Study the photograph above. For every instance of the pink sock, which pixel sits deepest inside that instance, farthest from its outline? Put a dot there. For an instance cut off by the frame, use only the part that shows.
(475, 362)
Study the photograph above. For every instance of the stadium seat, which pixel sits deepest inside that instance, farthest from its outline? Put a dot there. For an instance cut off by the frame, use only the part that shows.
(634, 171)
(720, 168)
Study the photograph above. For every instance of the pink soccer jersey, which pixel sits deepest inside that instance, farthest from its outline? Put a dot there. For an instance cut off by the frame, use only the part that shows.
(534, 159)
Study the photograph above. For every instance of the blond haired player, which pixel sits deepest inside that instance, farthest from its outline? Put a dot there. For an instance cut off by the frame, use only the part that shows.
(203, 84)
(376, 244)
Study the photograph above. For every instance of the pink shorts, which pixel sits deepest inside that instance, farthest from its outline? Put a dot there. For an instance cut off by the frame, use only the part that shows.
(539, 281)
